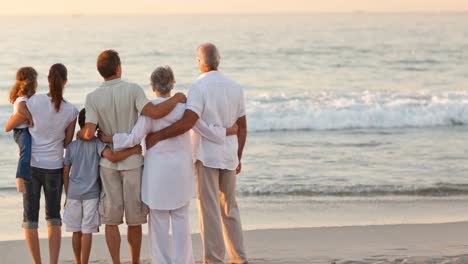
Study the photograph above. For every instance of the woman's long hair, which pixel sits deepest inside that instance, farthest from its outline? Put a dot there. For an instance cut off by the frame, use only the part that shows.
(57, 78)
(25, 84)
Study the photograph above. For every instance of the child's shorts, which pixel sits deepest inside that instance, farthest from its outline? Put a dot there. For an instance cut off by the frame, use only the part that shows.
(82, 216)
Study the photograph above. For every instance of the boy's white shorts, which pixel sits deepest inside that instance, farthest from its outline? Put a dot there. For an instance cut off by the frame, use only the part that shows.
(82, 216)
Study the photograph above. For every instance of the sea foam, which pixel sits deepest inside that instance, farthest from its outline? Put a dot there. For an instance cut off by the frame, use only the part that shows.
(335, 111)
(340, 111)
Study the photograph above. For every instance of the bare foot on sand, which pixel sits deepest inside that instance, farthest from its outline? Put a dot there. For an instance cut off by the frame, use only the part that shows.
(20, 185)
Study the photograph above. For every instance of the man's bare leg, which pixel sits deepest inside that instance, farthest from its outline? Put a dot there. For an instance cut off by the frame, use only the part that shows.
(134, 240)
(113, 242)
(32, 240)
(76, 244)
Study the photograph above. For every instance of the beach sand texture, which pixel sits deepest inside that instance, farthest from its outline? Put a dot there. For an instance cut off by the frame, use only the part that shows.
(356, 120)
(411, 243)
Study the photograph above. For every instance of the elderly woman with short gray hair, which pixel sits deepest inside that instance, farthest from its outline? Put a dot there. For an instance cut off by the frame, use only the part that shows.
(168, 176)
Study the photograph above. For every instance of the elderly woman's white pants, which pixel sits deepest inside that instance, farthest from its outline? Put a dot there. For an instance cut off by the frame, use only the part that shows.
(159, 224)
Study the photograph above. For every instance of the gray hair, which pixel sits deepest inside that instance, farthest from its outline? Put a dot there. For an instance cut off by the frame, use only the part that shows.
(162, 79)
(209, 55)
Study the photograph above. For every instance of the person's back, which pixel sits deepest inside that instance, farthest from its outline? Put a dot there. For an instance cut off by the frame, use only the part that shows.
(115, 107)
(84, 157)
(223, 98)
(168, 181)
(81, 180)
(48, 130)
(220, 102)
(216, 100)
(180, 143)
(54, 125)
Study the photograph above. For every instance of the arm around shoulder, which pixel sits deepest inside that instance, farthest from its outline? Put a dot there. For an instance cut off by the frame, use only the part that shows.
(162, 109)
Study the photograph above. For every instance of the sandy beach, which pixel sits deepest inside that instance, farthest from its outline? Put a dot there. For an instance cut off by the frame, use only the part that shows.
(357, 122)
(411, 243)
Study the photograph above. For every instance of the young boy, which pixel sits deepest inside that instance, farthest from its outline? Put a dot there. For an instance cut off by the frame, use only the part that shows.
(81, 215)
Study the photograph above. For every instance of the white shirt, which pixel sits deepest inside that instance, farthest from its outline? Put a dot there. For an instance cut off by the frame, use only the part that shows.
(16, 107)
(219, 101)
(168, 178)
(48, 132)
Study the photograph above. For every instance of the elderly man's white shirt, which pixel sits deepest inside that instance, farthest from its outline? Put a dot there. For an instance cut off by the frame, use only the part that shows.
(219, 101)
(168, 177)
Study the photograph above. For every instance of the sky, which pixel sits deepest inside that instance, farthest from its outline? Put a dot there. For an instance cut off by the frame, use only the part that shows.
(66, 7)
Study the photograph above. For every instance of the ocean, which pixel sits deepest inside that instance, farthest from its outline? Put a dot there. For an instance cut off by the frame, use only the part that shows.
(353, 119)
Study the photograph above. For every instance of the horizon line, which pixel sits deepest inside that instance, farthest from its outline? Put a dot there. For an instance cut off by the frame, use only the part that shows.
(79, 14)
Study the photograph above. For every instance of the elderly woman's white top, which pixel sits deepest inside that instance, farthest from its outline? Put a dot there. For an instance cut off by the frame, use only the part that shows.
(168, 180)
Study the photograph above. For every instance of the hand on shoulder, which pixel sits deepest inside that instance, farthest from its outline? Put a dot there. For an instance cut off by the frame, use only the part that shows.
(180, 97)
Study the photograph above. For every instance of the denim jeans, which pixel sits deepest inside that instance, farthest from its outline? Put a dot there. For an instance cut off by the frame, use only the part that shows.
(23, 140)
(52, 182)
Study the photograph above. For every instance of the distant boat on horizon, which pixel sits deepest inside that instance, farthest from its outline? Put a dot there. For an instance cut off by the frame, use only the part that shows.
(77, 15)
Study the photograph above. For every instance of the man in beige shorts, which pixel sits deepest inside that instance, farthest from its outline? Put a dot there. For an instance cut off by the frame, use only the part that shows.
(115, 106)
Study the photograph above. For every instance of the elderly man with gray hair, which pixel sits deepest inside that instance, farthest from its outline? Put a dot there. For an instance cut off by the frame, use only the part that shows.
(218, 101)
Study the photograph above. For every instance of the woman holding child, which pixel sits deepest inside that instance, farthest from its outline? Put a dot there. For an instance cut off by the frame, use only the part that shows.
(54, 125)
(167, 181)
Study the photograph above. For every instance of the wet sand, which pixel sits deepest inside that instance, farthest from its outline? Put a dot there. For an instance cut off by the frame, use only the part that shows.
(411, 243)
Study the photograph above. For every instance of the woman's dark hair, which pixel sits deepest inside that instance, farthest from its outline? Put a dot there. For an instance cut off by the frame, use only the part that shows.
(107, 63)
(57, 78)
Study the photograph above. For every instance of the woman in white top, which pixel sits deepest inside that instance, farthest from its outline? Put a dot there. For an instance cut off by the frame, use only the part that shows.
(168, 177)
(54, 125)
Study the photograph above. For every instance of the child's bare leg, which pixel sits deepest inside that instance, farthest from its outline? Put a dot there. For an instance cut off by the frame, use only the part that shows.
(86, 242)
(20, 185)
(76, 244)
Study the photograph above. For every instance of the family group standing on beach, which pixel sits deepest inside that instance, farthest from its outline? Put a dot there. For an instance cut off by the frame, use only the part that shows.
(105, 177)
